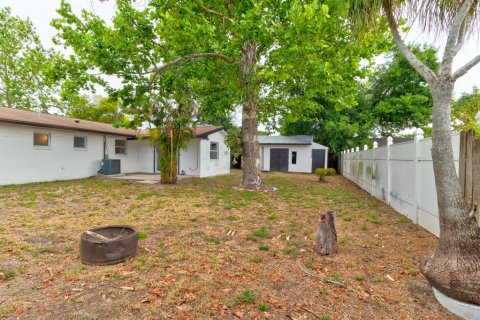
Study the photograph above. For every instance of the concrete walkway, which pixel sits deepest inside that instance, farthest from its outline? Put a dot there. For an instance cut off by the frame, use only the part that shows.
(147, 178)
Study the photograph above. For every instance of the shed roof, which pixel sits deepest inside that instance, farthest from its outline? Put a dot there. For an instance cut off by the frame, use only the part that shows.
(295, 140)
(17, 116)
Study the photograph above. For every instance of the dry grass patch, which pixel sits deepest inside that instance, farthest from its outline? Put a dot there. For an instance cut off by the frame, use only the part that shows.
(210, 251)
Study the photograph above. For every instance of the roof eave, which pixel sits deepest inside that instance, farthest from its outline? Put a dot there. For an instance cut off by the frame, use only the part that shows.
(26, 123)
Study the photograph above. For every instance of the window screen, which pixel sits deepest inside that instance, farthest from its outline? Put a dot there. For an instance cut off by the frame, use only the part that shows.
(213, 150)
(120, 146)
(80, 142)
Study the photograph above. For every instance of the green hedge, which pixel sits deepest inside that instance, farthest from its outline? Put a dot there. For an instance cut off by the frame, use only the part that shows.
(322, 172)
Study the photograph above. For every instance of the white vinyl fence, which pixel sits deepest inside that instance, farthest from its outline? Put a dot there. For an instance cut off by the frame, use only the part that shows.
(401, 175)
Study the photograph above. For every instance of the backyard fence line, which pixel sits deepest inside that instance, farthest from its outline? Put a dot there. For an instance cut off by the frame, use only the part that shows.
(401, 175)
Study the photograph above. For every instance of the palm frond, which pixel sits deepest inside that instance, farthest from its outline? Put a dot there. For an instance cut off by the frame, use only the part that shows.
(436, 16)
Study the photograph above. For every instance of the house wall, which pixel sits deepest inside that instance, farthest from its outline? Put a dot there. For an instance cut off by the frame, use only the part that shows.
(128, 161)
(146, 162)
(304, 156)
(189, 158)
(21, 162)
(209, 167)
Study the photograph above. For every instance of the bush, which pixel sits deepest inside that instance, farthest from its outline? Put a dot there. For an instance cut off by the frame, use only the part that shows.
(331, 172)
(322, 172)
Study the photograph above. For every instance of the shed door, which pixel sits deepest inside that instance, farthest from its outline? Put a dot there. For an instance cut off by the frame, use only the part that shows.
(279, 160)
(318, 159)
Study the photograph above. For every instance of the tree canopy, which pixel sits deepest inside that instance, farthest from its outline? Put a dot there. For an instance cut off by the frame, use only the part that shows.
(270, 57)
(465, 110)
(98, 108)
(397, 96)
(26, 67)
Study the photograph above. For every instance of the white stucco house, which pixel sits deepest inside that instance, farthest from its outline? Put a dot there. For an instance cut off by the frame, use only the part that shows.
(36, 147)
(292, 154)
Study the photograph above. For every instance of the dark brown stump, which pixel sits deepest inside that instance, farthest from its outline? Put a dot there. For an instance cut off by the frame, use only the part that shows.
(326, 242)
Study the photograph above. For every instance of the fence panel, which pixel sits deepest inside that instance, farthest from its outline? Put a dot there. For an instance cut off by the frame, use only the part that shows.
(402, 176)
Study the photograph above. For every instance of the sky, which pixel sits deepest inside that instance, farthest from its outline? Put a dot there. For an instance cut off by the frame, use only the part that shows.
(41, 12)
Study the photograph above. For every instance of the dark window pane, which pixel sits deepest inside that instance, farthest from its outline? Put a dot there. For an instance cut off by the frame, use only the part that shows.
(79, 142)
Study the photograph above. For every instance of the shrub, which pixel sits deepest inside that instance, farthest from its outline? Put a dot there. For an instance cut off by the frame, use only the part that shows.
(331, 172)
(322, 172)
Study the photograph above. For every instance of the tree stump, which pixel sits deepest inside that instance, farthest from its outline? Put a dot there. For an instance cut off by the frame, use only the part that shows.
(326, 242)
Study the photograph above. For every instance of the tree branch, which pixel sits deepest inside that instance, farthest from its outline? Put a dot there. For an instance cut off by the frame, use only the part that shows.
(455, 38)
(469, 65)
(418, 65)
(461, 38)
(191, 57)
(222, 15)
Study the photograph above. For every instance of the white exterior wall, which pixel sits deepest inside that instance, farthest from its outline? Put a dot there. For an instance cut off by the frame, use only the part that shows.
(128, 161)
(304, 156)
(190, 158)
(401, 175)
(21, 162)
(146, 161)
(209, 167)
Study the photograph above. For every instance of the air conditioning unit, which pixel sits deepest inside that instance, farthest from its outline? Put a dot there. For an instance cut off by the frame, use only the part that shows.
(111, 166)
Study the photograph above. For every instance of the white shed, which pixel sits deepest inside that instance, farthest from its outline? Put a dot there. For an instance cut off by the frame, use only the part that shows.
(292, 154)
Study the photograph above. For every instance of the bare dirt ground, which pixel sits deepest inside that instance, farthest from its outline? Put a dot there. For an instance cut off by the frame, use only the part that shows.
(211, 252)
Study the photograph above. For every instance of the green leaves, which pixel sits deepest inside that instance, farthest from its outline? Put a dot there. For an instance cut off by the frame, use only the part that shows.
(25, 66)
(398, 96)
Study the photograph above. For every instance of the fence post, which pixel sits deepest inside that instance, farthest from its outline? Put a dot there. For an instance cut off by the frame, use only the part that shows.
(416, 160)
(389, 169)
(375, 146)
(364, 168)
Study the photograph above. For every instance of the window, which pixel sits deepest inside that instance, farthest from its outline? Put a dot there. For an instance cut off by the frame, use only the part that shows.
(80, 142)
(294, 157)
(120, 146)
(41, 139)
(213, 150)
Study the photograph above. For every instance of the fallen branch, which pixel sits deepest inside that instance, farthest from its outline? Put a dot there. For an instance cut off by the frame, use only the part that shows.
(316, 315)
(304, 269)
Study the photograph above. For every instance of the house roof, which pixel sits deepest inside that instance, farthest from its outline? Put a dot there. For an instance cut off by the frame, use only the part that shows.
(296, 140)
(17, 116)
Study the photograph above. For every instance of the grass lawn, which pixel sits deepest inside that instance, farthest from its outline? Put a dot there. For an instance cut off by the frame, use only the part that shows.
(211, 252)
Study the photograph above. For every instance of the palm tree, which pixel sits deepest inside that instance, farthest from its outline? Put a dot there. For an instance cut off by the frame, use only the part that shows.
(454, 267)
(171, 134)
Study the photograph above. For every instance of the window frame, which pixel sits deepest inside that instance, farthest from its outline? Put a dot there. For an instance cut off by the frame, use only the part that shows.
(124, 147)
(216, 151)
(38, 146)
(294, 157)
(81, 137)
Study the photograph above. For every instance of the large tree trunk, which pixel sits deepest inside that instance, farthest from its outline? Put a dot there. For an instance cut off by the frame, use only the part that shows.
(454, 267)
(252, 178)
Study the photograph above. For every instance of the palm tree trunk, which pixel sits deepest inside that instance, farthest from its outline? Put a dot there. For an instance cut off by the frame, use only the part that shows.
(252, 178)
(454, 267)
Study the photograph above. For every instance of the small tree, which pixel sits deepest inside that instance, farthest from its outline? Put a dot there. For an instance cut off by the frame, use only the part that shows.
(173, 128)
